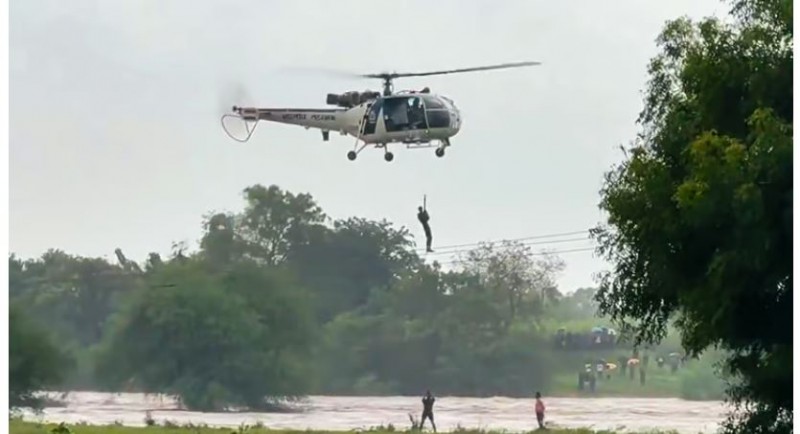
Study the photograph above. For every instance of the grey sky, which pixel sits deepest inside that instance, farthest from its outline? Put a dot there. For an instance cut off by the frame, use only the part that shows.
(114, 114)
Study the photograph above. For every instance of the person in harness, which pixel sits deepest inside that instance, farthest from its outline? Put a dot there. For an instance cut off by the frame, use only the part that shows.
(423, 218)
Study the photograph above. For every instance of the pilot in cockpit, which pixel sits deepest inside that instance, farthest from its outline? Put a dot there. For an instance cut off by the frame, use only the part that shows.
(416, 115)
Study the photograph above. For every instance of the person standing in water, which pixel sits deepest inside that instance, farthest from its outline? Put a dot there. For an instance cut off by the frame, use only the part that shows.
(427, 410)
(539, 410)
(423, 218)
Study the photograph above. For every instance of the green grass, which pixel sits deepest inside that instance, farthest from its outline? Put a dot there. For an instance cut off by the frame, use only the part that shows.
(657, 385)
(695, 381)
(20, 427)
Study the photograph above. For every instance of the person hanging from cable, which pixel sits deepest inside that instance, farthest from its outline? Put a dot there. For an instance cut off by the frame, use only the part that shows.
(423, 218)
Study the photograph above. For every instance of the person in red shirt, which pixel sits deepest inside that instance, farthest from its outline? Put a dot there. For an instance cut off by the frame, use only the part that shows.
(539, 410)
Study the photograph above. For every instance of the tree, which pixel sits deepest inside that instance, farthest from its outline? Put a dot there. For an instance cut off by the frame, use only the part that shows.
(511, 271)
(453, 331)
(34, 362)
(274, 221)
(153, 263)
(578, 305)
(74, 295)
(220, 244)
(16, 277)
(481, 352)
(700, 212)
(235, 338)
(343, 265)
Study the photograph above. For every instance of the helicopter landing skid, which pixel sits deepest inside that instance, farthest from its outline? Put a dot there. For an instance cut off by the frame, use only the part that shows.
(423, 145)
(249, 125)
(443, 144)
(388, 156)
(356, 150)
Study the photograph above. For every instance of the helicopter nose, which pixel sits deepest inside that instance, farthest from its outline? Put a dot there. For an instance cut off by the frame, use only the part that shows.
(455, 117)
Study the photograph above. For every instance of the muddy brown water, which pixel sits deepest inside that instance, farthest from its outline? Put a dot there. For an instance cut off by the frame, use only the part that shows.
(348, 413)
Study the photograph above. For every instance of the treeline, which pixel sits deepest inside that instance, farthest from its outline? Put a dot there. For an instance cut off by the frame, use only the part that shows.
(699, 212)
(280, 301)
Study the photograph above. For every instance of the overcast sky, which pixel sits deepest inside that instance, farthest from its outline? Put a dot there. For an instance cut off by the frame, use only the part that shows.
(115, 138)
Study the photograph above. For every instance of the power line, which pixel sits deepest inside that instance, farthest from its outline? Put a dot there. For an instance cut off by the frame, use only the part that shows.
(535, 237)
(555, 252)
(532, 243)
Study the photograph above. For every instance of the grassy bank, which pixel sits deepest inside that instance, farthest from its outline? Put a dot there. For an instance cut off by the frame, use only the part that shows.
(694, 381)
(658, 384)
(20, 427)
(566, 385)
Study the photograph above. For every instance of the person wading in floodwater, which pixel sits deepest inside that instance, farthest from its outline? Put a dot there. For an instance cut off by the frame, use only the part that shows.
(540, 410)
(427, 410)
(423, 218)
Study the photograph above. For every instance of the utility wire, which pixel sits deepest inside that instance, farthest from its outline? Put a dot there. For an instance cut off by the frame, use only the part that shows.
(535, 237)
(554, 252)
(502, 248)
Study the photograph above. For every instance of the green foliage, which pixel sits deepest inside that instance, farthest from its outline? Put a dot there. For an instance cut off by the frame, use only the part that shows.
(702, 382)
(34, 362)
(215, 340)
(73, 295)
(344, 264)
(62, 428)
(274, 221)
(578, 306)
(700, 213)
(278, 302)
(446, 331)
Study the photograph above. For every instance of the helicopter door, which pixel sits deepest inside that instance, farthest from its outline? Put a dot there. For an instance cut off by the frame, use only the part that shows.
(403, 114)
(416, 114)
(372, 116)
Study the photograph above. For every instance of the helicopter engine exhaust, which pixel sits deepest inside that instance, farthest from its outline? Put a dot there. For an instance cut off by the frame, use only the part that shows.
(350, 99)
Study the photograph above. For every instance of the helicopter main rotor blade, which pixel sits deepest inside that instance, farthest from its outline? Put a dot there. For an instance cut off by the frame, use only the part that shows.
(451, 71)
(317, 71)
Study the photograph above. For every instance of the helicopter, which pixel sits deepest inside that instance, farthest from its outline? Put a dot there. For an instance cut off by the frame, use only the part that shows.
(416, 119)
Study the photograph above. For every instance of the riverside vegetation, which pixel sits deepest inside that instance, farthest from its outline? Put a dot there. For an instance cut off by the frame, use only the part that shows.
(280, 301)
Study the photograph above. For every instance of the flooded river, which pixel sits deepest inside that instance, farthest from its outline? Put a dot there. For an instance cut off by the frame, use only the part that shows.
(347, 413)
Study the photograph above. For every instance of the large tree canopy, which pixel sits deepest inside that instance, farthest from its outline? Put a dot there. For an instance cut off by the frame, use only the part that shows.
(279, 301)
(700, 211)
(35, 363)
(237, 337)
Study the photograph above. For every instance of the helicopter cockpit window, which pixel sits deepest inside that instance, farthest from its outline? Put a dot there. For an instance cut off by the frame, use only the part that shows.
(433, 103)
(437, 113)
(438, 118)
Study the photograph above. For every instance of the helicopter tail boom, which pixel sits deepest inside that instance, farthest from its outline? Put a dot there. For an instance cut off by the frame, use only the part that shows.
(326, 119)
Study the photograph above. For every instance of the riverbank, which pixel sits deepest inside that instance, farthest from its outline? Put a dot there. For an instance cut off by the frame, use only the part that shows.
(697, 381)
(341, 414)
(658, 385)
(19, 427)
